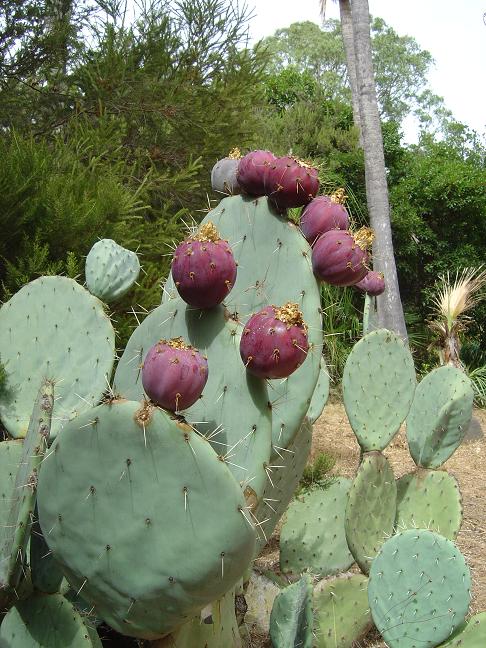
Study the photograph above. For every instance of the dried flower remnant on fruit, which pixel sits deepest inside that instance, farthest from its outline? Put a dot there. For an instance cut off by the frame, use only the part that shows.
(290, 314)
(364, 237)
(339, 196)
(234, 154)
(208, 232)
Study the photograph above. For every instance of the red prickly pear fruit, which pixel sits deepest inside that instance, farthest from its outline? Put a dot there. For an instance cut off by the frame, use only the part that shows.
(252, 172)
(174, 374)
(224, 174)
(274, 342)
(340, 257)
(203, 268)
(373, 284)
(322, 214)
(291, 183)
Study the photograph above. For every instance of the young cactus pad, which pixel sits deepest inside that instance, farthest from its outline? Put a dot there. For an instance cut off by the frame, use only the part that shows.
(320, 395)
(46, 621)
(233, 412)
(273, 268)
(291, 621)
(378, 388)
(439, 416)
(125, 482)
(429, 499)
(371, 508)
(471, 635)
(110, 270)
(419, 589)
(342, 612)
(53, 328)
(313, 535)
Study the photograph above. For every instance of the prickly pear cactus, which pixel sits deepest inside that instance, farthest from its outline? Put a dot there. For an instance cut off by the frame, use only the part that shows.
(342, 612)
(273, 268)
(45, 572)
(378, 388)
(14, 536)
(429, 499)
(291, 621)
(320, 395)
(439, 416)
(53, 328)
(471, 634)
(126, 476)
(312, 536)
(110, 270)
(46, 622)
(371, 508)
(233, 412)
(419, 589)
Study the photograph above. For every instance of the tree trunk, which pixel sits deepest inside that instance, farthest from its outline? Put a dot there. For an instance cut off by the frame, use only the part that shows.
(390, 310)
(348, 40)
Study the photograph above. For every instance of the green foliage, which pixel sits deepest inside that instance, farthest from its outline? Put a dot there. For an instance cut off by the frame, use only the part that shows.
(315, 474)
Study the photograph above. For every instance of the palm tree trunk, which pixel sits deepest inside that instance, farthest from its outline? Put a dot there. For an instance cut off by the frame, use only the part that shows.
(390, 310)
(348, 40)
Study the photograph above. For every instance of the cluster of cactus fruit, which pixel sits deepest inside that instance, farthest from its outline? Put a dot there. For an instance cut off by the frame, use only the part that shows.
(142, 499)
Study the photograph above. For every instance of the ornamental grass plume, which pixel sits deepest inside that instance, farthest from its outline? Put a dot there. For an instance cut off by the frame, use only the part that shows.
(455, 297)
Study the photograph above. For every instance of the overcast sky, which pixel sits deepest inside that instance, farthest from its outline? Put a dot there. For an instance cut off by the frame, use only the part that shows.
(453, 32)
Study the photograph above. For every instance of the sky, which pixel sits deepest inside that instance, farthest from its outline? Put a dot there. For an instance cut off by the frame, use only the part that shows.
(453, 32)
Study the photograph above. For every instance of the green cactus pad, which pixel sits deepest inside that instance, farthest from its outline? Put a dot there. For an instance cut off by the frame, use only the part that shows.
(111, 270)
(125, 482)
(439, 416)
(14, 536)
(312, 535)
(53, 328)
(283, 478)
(341, 611)
(471, 635)
(274, 267)
(419, 589)
(371, 508)
(219, 630)
(291, 621)
(429, 499)
(320, 395)
(46, 621)
(45, 572)
(233, 411)
(378, 388)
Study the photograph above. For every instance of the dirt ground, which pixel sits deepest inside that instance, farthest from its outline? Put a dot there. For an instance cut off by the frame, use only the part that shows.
(333, 434)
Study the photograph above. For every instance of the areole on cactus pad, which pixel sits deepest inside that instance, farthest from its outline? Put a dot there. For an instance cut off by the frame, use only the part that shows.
(274, 342)
(341, 258)
(203, 268)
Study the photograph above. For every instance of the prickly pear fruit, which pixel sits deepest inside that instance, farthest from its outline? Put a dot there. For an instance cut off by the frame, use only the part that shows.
(322, 214)
(203, 268)
(274, 341)
(252, 172)
(291, 182)
(224, 174)
(174, 374)
(340, 257)
(373, 284)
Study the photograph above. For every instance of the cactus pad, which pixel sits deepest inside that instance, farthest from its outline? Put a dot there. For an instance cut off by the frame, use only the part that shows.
(233, 412)
(471, 635)
(46, 622)
(429, 499)
(291, 621)
(313, 535)
(439, 416)
(110, 270)
(419, 589)
(371, 508)
(53, 328)
(378, 388)
(124, 482)
(45, 572)
(341, 611)
(320, 395)
(273, 268)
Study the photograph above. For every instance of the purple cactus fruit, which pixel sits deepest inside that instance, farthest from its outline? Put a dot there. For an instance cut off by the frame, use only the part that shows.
(274, 341)
(174, 374)
(373, 284)
(291, 182)
(322, 214)
(203, 268)
(224, 174)
(252, 172)
(340, 257)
